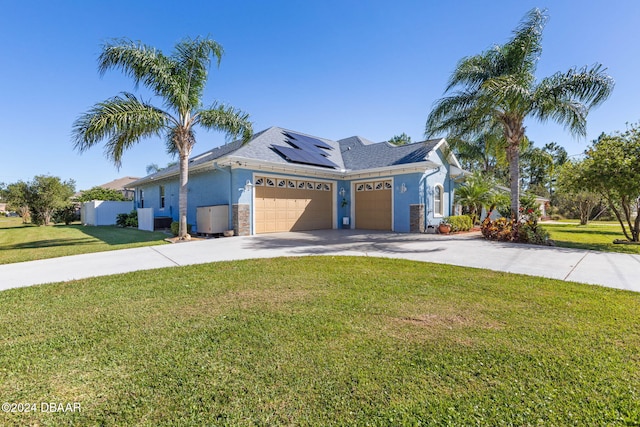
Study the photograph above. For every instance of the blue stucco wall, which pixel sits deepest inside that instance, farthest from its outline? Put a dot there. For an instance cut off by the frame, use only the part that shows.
(204, 189)
(343, 211)
(227, 186)
(420, 189)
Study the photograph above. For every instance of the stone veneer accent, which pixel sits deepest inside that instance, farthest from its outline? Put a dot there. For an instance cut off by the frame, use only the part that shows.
(416, 218)
(241, 220)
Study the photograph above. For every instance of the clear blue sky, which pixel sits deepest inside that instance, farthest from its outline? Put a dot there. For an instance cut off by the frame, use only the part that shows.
(329, 68)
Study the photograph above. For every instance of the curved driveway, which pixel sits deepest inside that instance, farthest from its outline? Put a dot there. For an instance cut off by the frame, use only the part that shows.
(614, 270)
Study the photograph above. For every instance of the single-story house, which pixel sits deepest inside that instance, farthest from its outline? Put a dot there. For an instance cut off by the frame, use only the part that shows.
(283, 180)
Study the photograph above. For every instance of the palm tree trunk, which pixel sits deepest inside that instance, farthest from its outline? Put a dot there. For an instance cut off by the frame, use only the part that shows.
(182, 200)
(513, 155)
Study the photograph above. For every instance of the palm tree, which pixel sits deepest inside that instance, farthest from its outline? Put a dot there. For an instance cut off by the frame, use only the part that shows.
(475, 193)
(179, 80)
(499, 87)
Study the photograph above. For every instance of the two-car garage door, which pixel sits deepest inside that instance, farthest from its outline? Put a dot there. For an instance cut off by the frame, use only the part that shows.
(283, 204)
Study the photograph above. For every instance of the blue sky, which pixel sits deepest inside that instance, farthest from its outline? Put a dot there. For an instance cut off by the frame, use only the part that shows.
(333, 69)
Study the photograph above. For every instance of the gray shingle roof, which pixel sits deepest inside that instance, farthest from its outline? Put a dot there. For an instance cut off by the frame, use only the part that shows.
(359, 153)
(354, 153)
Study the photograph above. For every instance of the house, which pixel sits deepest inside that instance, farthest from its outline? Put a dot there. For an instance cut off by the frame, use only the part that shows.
(283, 180)
(122, 185)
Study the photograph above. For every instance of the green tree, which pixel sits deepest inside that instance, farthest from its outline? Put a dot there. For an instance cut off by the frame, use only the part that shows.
(45, 195)
(16, 196)
(573, 189)
(484, 151)
(536, 166)
(99, 193)
(179, 80)
(612, 169)
(402, 139)
(498, 87)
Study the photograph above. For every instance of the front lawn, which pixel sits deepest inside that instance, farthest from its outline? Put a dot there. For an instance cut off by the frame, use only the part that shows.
(26, 242)
(595, 236)
(321, 341)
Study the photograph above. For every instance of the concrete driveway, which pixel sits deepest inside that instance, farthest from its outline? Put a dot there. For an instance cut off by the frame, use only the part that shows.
(614, 270)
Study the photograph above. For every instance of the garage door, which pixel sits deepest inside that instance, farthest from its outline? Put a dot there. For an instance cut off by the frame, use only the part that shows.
(373, 205)
(292, 205)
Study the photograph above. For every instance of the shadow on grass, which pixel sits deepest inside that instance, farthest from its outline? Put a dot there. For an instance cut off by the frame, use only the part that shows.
(48, 243)
(108, 235)
(112, 235)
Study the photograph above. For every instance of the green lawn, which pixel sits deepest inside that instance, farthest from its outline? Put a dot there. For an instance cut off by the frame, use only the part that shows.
(19, 242)
(322, 341)
(595, 236)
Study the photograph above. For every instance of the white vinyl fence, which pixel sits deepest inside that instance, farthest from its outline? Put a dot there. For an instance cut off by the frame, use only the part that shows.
(100, 212)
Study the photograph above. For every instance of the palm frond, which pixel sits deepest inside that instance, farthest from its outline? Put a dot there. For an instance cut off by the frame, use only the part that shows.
(226, 119)
(193, 59)
(122, 121)
(567, 97)
(525, 47)
(145, 65)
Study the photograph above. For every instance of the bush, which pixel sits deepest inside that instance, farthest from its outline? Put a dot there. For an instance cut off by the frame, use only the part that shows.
(68, 214)
(460, 222)
(175, 227)
(128, 220)
(506, 230)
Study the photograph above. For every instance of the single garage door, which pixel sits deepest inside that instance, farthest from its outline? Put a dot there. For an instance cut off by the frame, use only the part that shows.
(283, 204)
(373, 205)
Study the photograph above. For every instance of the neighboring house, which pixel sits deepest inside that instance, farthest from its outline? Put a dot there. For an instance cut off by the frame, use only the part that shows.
(283, 180)
(3, 207)
(122, 185)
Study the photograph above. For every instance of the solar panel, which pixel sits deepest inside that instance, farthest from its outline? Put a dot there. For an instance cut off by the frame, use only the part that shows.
(308, 139)
(305, 157)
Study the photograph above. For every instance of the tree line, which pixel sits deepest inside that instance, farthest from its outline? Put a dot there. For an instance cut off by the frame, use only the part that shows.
(47, 200)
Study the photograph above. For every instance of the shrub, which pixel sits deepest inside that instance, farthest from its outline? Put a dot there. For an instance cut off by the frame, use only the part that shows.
(175, 227)
(67, 214)
(506, 230)
(128, 220)
(460, 222)
(531, 232)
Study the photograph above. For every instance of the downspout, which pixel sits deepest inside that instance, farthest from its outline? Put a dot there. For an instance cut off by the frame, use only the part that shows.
(215, 165)
(426, 200)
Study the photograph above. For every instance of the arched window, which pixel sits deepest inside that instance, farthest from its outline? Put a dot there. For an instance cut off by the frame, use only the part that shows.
(438, 205)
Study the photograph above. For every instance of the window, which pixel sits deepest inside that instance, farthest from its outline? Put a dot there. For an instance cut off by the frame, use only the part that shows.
(162, 197)
(437, 200)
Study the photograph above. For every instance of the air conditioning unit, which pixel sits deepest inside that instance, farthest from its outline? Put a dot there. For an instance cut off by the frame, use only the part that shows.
(212, 219)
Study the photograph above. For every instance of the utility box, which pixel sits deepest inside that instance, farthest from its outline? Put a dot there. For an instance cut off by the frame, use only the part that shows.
(212, 219)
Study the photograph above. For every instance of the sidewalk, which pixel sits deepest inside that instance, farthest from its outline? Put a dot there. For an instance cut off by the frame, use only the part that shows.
(614, 270)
